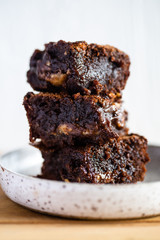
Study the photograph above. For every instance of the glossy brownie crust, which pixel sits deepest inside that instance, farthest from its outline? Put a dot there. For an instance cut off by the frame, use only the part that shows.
(59, 120)
(118, 161)
(78, 67)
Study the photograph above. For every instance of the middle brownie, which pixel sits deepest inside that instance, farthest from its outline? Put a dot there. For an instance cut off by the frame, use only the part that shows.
(59, 120)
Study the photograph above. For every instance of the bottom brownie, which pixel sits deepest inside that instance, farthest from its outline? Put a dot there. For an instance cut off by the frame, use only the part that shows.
(120, 160)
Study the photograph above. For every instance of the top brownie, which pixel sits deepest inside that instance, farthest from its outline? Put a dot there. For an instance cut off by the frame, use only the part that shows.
(74, 67)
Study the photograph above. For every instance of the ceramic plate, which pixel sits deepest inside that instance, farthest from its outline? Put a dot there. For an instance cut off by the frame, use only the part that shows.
(18, 173)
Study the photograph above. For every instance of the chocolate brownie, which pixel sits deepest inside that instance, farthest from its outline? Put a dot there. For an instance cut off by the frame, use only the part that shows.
(120, 160)
(78, 67)
(59, 119)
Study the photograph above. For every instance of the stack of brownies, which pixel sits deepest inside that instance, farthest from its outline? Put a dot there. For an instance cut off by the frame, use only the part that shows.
(77, 120)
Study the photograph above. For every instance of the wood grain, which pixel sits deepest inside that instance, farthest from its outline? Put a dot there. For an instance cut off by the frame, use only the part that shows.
(50, 231)
(20, 223)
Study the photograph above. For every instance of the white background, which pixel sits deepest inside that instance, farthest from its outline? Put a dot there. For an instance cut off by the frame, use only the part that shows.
(131, 25)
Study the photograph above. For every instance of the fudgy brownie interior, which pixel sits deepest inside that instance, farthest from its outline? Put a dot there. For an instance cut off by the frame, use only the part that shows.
(59, 120)
(78, 67)
(120, 160)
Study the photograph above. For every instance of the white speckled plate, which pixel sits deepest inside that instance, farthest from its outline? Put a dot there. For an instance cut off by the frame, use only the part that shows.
(78, 200)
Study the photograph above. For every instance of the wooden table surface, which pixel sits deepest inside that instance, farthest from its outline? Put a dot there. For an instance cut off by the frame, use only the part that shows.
(17, 223)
